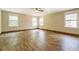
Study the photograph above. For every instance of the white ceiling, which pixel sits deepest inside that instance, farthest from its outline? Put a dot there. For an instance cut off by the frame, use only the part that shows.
(31, 11)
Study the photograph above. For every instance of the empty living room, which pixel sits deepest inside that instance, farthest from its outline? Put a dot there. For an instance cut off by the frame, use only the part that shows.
(39, 29)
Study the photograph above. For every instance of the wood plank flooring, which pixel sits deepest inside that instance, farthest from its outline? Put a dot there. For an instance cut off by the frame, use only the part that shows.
(38, 40)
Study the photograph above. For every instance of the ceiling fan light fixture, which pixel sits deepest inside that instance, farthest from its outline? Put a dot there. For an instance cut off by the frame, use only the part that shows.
(39, 10)
(36, 11)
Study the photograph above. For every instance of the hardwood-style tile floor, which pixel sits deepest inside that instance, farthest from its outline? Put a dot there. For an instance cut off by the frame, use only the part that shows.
(38, 40)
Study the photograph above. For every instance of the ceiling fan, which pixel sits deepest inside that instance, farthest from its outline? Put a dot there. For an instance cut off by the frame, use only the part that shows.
(39, 9)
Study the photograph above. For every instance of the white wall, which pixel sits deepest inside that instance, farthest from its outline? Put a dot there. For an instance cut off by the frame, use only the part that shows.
(25, 22)
(56, 22)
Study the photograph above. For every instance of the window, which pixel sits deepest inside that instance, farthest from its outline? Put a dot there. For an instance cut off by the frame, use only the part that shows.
(13, 20)
(41, 21)
(34, 22)
(71, 20)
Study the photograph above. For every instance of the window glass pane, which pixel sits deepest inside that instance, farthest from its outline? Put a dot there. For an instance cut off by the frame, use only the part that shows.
(70, 24)
(34, 22)
(71, 17)
(41, 21)
(13, 18)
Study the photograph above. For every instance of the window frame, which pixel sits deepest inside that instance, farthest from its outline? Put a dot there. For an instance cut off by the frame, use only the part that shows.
(76, 18)
(10, 20)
